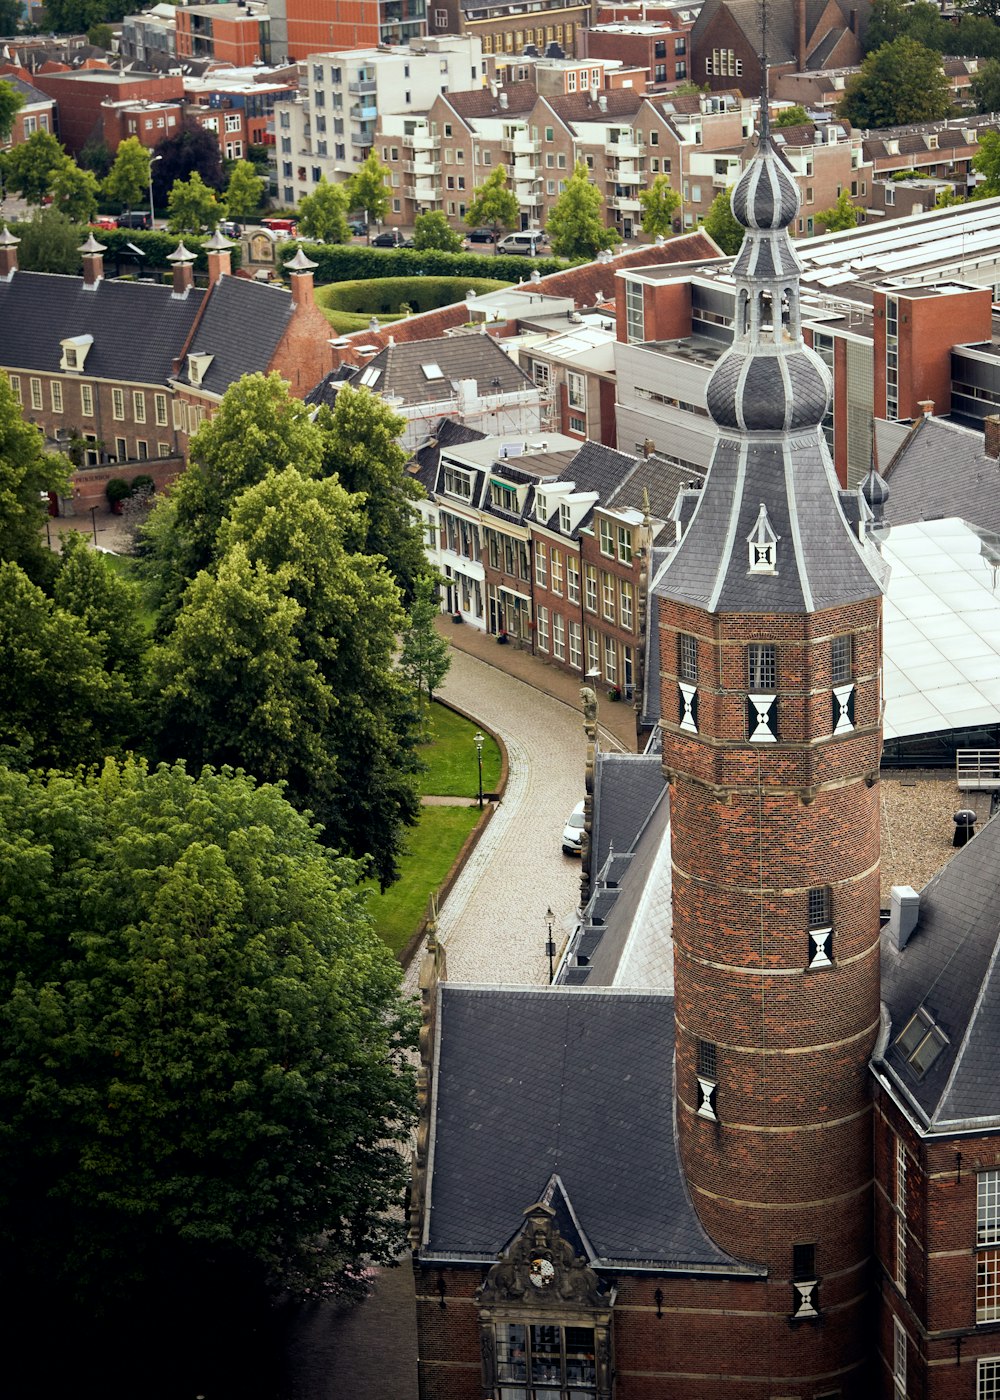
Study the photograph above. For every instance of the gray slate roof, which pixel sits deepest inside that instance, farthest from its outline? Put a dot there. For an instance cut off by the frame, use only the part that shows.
(626, 788)
(138, 327)
(478, 357)
(242, 328)
(941, 470)
(949, 966)
(536, 1081)
(447, 434)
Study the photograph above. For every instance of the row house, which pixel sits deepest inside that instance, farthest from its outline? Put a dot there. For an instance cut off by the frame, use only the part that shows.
(939, 150)
(504, 27)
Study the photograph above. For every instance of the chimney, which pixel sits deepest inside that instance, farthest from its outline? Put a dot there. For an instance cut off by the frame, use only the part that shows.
(183, 263)
(903, 915)
(502, 99)
(302, 279)
(800, 35)
(926, 406)
(217, 254)
(93, 263)
(602, 103)
(992, 444)
(595, 92)
(8, 254)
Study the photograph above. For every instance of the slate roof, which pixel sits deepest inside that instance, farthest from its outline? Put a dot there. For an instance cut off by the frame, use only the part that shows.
(235, 306)
(781, 33)
(626, 788)
(477, 357)
(942, 470)
(661, 480)
(595, 467)
(138, 327)
(581, 107)
(448, 433)
(949, 966)
(531, 1082)
(31, 95)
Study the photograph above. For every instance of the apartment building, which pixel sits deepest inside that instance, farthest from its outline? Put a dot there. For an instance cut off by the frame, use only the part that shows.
(504, 27)
(660, 47)
(80, 96)
(301, 28)
(149, 36)
(234, 31)
(328, 130)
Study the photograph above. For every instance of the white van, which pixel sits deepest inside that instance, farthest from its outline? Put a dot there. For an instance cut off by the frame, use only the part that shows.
(526, 243)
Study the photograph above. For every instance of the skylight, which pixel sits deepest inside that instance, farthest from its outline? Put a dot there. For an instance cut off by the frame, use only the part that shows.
(371, 376)
(432, 371)
(921, 1041)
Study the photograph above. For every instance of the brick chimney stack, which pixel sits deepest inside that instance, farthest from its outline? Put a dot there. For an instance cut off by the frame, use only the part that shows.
(93, 263)
(800, 35)
(8, 254)
(219, 260)
(183, 264)
(302, 279)
(991, 427)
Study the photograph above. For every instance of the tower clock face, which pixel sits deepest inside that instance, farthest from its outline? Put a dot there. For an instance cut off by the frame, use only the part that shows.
(541, 1272)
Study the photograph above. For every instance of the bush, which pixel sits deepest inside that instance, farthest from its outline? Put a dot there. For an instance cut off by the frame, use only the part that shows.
(384, 296)
(117, 490)
(155, 244)
(142, 483)
(346, 263)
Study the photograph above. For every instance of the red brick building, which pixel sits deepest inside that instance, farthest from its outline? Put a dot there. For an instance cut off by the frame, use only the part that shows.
(81, 95)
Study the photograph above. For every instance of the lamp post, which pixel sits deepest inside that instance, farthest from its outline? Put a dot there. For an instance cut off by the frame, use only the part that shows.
(93, 523)
(550, 943)
(479, 741)
(152, 215)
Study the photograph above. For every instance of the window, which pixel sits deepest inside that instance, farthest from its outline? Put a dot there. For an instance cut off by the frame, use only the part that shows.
(610, 661)
(558, 637)
(820, 945)
(988, 1234)
(590, 575)
(625, 604)
(457, 483)
(440, 19)
(139, 405)
(707, 1079)
(687, 657)
(921, 1041)
(576, 390)
(899, 1359)
(805, 1286)
(624, 544)
(988, 1379)
(160, 401)
(899, 1202)
(635, 328)
(504, 495)
(55, 389)
(557, 1360)
(15, 385)
(576, 425)
(575, 645)
(142, 450)
(572, 578)
(841, 659)
(593, 651)
(565, 519)
(557, 571)
(988, 1208)
(121, 449)
(541, 565)
(542, 629)
(36, 395)
(163, 449)
(607, 540)
(608, 596)
(761, 666)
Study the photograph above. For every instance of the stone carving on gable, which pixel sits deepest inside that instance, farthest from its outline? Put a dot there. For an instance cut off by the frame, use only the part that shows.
(542, 1269)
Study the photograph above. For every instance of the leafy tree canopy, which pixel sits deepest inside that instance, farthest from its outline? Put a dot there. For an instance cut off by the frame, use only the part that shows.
(11, 100)
(101, 36)
(901, 82)
(576, 220)
(722, 224)
(50, 242)
(128, 180)
(11, 13)
(425, 656)
(31, 167)
(192, 149)
(841, 215)
(432, 230)
(77, 16)
(493, 205)
(323, 214)
(244, 191)
(74, 192)
(26, 472)
(202, 1042)
(192, 206)
(986, 87)
(986, 162)
(368, 188)
(796, 115)
(892, 19)
(659, 204)
(97, 157)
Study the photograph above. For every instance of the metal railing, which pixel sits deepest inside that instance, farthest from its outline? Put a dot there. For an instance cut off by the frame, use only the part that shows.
(978, 770)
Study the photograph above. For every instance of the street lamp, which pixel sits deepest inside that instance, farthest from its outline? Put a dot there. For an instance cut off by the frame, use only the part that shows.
(550, 943)
(152, 216)
(479, 741)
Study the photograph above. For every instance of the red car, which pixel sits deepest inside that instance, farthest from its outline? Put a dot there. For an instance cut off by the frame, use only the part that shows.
(104, 221)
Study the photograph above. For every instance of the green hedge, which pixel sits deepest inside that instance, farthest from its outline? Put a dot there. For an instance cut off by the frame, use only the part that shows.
(347, 322)
(155, 244)
(338, 262)
(383, 296)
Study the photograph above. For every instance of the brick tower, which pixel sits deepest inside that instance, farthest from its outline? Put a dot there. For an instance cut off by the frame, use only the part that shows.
(770, 645)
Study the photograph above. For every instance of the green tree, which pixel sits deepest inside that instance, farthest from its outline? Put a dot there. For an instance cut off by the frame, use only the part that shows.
(101, 36)
(31, 167)
(493, 205)
(259, 427)
(986, 162)
(11, 14)
(424, 657)
(361, 448)
(946, 198)
(892, 19)
(722, 224)
(203, 1045)
(898, 83)
(193, 206)
(323, 214)
(368, 189)
(659, 205)
(431, 229)
(50, 242)
(282, 661)
(11, 103)
(795, 115)
(108, 606)
(576, 224)
(27, 473)
(128, 180)
(192, 149)
(842, 215)
(74, 192)
(97, 157)
(986, 87)
(244, 191)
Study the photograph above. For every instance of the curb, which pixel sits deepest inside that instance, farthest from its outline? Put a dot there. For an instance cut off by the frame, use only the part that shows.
(413, 946)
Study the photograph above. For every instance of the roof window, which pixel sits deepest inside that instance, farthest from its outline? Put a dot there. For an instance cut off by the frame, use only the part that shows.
(432, 371)
(921, 1041)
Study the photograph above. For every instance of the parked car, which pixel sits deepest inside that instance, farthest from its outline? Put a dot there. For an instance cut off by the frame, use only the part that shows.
(391, 238)
(282, 227)
(138, 218)
(229, 228)
(105, 221)
(481, 235)
(572, 837)
(358, 227)
(527, 244)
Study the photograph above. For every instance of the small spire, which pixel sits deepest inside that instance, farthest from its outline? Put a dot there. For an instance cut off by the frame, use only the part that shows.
(181, 254)
(875, 488)
(765, 116)
(91, 246)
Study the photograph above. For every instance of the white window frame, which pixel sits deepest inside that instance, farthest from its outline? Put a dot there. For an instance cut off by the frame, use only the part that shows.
(576, 645)
(541, 564)
(609, 610)
(139, 405)
(988, 1378)
(626, 609)
(576, 390)
(624, 544)
(572, 578)
(558, 636)
(607, 539)
(56, 394)
(118, 405)
(556, 571)
(542, 628)
(37, 402)
(898, 1359)
(635, 313)
(15, 387)
(590, 584)
(160, 401)
(87, 400)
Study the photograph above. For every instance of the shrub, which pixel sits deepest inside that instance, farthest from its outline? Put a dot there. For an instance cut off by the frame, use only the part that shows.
(344, 263)
(154, 243)
(383, 296)
(117, 490)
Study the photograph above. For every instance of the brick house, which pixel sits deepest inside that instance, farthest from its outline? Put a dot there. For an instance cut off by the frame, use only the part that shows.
(81, 95)
(661, 47)
(801, 35)
(507, 28)
(37, 113)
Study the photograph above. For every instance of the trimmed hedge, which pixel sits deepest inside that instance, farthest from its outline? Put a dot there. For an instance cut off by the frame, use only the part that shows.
(338, 262)
(347, 322)
(383, 296)
(154, 243)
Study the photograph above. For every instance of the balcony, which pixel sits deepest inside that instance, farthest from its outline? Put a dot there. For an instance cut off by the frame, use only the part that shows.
(361, 113)
(365, 85)
(420, 141)
(626, 202)
(520, 145)
(624, 150)
(626, 175)
(529, 197)
(422, 168)
(420, 195)
(364, 139)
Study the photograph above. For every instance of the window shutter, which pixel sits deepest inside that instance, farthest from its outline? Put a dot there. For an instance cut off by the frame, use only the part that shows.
(843, 709)
(688, 706)
(762, 719)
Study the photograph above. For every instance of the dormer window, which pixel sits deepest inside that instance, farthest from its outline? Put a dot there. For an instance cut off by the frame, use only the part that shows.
(921, 1041)
(763, 545)
(541, 508)
(74, 352)
(565, 520)
(198, 367)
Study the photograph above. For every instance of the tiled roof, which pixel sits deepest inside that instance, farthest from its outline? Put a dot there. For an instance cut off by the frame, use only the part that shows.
(949, 967)
(481, 102)
(30, 94)
(660, 480)
(942, 470)
(781, 35)
(400, 369)
(448, 433)
(138, 327)
(242, 327)
(626, 788)
(581, 107)
(532, 1082)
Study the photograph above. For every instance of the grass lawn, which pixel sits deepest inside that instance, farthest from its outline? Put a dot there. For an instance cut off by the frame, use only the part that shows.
(433, 845)
(451, 757)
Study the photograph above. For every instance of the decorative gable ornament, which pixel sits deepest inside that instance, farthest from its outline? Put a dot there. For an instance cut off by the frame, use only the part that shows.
(763, 543)
(707, 1090)
(541, 1270)
(805, 1299)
